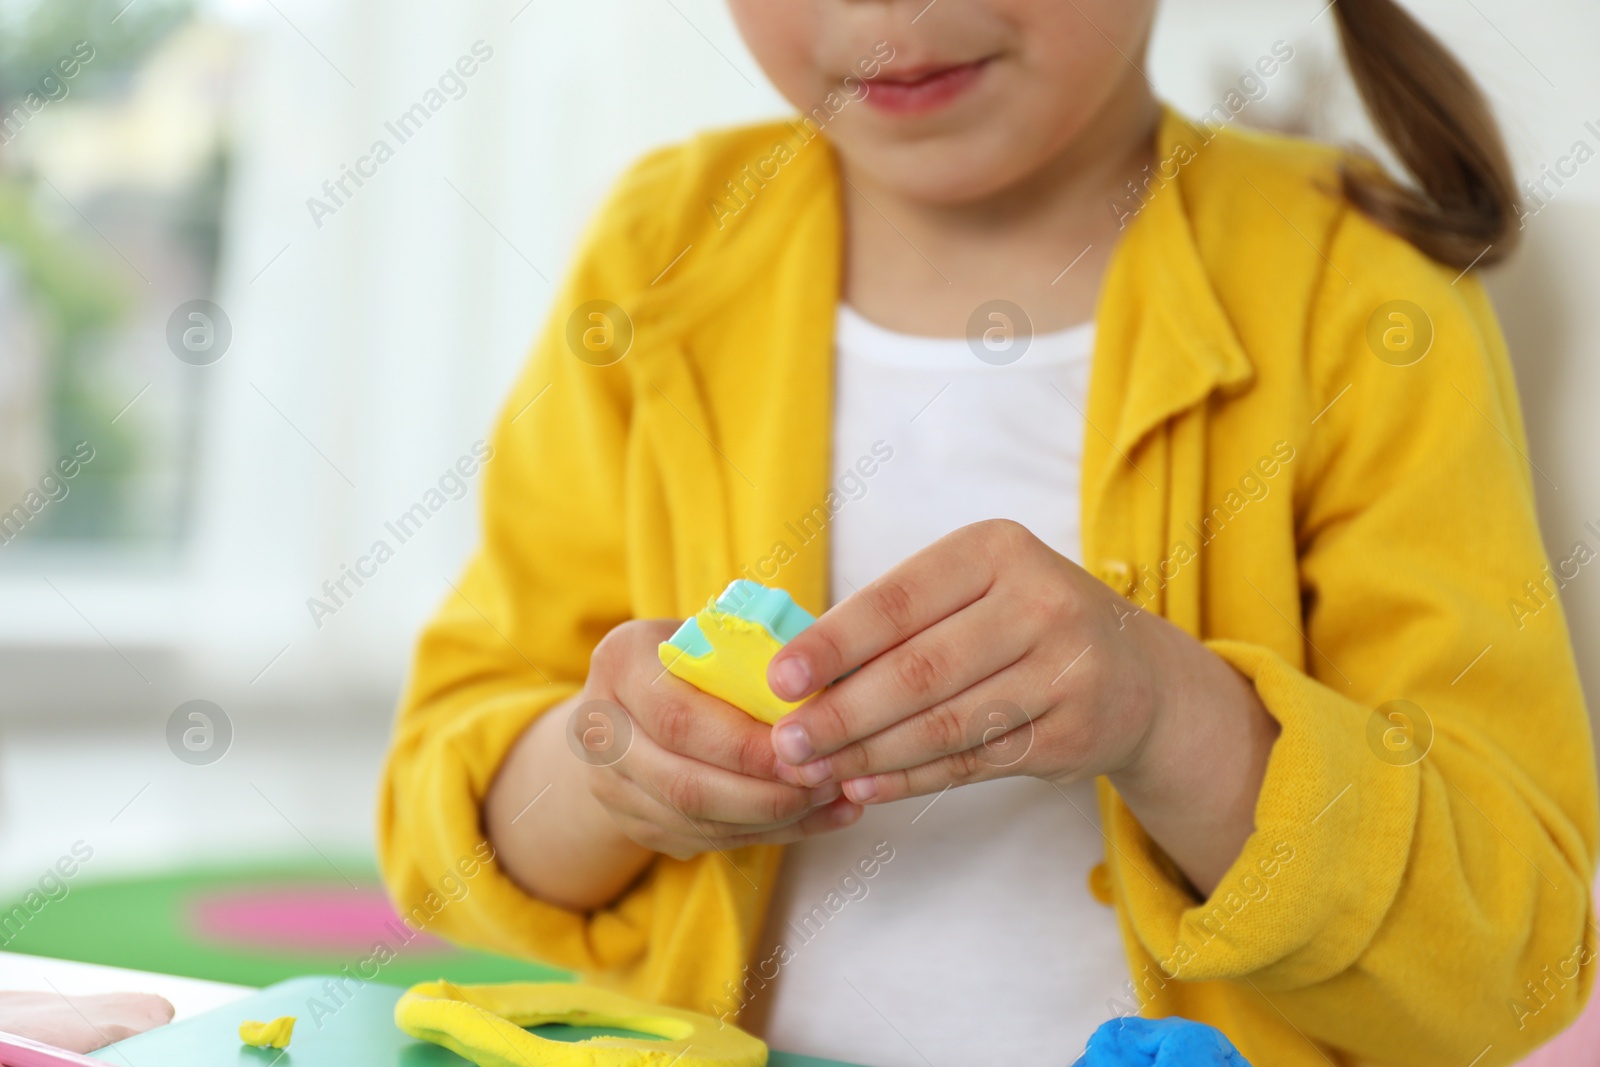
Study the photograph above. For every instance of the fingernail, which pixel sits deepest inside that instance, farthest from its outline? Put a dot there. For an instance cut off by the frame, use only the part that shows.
(787, 774)
(825, 794)
(861, 790)
(815, 772)
(791, 677)
(845, 814)
(791, 744)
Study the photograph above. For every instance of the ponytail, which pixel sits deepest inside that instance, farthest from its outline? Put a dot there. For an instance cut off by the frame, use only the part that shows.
(1432, 114)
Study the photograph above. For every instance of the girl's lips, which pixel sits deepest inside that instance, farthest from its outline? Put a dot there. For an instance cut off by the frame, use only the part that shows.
(918, 92)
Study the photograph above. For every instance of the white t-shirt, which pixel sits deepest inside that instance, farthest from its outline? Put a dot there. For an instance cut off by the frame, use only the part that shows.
(975, 938)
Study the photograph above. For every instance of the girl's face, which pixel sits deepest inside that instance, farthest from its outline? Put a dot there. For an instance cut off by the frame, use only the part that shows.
(951, 101)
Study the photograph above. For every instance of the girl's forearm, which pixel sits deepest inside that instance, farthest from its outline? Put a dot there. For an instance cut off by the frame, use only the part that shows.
(1194, 784)
(551, 835)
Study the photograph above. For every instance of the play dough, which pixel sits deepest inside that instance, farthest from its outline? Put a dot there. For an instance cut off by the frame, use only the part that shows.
(1138, 1042)
(275, 1034)
(484, 1023)
(725, 648)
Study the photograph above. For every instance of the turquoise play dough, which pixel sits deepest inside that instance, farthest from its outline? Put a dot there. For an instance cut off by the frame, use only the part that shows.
(774, 610)
(689, 640)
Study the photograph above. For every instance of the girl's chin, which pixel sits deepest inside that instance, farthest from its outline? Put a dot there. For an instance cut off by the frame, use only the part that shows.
(956, 174)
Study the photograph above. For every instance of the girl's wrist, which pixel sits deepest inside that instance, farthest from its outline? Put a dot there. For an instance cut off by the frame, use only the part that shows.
(1165, 676)
(553, 837)
(1195, 775)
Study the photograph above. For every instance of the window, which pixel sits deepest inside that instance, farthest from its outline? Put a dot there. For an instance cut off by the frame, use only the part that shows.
(113, 162)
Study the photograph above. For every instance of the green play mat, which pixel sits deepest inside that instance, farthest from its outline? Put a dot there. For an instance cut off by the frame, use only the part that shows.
(254, 925)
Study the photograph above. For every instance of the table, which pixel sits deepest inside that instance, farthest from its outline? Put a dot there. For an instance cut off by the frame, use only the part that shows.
(188, 996)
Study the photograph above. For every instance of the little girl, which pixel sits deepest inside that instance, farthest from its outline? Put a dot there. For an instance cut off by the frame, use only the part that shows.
(1165, 489)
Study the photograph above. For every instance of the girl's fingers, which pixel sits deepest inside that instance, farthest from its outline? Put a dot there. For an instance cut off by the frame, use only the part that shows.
(637, 805)
(668, 834)
(840, 813)
(700, 792)
(961, 768)
(929, 671)
(916, 593)
(986, 719)
(682, 719)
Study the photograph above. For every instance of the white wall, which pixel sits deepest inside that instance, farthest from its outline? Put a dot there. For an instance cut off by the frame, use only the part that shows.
(1535, 62)
(371, 352)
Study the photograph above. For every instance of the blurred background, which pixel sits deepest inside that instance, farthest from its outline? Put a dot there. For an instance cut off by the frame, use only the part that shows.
(266, 360)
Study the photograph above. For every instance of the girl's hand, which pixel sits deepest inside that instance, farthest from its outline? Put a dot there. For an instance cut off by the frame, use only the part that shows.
(636, 764)
(985, 655)
(86, 1022)
(989, 655)
(680, 771)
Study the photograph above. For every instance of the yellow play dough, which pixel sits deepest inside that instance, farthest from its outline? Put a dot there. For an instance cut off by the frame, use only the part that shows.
(736, 669)
(484, 1023)
(275, 1034)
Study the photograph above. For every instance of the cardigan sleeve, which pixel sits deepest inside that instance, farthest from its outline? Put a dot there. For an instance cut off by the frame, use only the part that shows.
(1426, 832)
(514, 633)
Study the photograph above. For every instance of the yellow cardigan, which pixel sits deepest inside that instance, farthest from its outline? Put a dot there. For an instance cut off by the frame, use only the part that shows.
(1346, 531)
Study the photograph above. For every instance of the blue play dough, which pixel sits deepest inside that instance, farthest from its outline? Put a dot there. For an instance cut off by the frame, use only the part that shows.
(1136, 1042)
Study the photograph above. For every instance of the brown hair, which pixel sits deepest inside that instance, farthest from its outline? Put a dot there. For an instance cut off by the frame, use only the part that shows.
(1431, 112)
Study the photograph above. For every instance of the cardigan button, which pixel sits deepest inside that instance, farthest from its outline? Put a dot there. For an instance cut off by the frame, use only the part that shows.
(1100, 884)
(1118, 574)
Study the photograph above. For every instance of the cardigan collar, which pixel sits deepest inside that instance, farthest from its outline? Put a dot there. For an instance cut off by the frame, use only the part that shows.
(1184, 347)
(799, 216)
(1164, 341)
(1158, 305)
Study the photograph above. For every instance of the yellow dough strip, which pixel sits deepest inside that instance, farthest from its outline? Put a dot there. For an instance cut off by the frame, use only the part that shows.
(484, 1024)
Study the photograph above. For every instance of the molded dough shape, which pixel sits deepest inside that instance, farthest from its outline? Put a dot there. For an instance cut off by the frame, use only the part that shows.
(724, 650)
(484, 1023)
